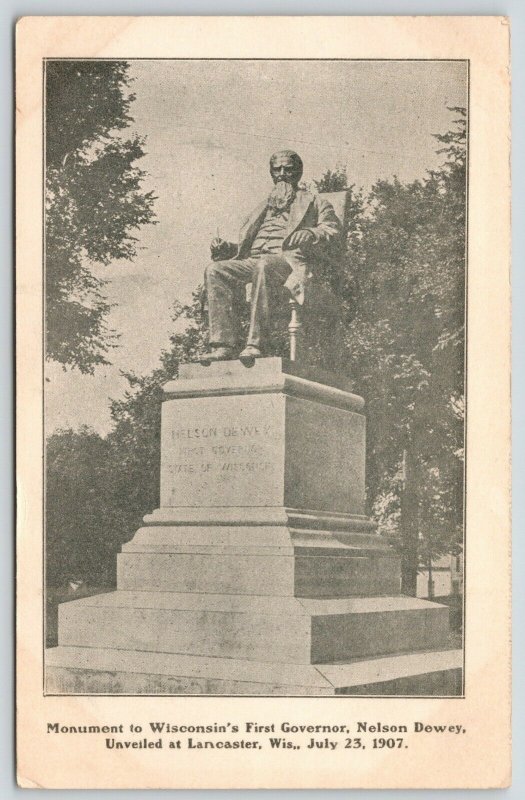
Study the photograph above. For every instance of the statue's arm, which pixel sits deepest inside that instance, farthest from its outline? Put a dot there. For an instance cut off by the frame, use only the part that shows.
(221, 250)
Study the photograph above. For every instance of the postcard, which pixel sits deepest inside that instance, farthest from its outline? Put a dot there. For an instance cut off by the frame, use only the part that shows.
(263, 407)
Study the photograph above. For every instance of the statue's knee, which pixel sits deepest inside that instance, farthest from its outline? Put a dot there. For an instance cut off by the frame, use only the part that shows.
(262, 264)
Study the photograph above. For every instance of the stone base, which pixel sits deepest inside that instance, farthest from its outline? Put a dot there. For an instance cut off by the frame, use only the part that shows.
(259, 573)
(294, 630)
(260, 559)
(81, 670)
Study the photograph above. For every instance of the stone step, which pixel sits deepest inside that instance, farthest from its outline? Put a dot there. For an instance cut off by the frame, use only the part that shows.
(424, 673)
(302, 575)
(346, 576)
(300, 631)
(85, 670)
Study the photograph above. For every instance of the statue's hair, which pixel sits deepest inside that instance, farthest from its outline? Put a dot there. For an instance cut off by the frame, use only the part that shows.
(295, 157)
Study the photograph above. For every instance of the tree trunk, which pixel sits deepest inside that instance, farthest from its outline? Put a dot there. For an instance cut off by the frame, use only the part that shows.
(409, 526)
(430, 580)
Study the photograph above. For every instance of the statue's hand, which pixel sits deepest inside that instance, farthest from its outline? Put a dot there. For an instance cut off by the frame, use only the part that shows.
(301, 238)
(218, 248)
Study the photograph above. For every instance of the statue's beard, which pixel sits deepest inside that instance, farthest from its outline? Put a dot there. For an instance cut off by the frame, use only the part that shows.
(282, 196)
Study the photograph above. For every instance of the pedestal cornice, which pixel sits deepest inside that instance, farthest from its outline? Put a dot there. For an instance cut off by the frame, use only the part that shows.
(267, 375)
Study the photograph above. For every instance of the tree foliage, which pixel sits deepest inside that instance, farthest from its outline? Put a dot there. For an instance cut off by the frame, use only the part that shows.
(94, 203)
(406, 349)
(84, 524)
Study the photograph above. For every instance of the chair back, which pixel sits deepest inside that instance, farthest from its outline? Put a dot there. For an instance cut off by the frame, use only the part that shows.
(341, 203)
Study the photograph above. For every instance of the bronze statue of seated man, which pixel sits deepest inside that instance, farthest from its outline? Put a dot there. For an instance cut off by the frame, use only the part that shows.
(277, 245)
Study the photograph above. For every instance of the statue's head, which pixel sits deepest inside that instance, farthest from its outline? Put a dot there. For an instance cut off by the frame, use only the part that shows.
(286, 166)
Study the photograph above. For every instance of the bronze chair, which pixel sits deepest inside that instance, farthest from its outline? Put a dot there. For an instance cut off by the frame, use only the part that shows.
(340, 202)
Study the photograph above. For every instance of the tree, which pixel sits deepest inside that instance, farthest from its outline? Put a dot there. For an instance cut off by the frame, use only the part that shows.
(406, 349)
(81, 515)
(99, 488)
(94, 203)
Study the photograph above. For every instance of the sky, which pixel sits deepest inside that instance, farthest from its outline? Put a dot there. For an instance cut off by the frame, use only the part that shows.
(210, 128)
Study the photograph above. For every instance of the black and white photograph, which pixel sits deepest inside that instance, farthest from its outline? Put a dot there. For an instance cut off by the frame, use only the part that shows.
(263, 402)
(254, 386)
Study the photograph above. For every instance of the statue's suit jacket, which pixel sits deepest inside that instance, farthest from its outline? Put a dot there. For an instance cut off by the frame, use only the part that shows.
(308, 211)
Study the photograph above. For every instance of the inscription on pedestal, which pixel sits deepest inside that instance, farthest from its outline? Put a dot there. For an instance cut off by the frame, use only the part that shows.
(222, 451)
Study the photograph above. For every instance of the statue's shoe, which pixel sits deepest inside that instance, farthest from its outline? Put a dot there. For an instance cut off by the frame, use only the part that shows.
(249, 354)
(216, 354)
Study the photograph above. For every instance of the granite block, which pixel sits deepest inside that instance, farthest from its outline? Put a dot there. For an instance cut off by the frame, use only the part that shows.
(261, 442)
(293, 630)
(194, 628)
(206, 573)
(238, 572)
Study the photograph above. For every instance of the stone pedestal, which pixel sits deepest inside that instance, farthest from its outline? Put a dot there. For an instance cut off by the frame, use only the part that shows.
(259, 573)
